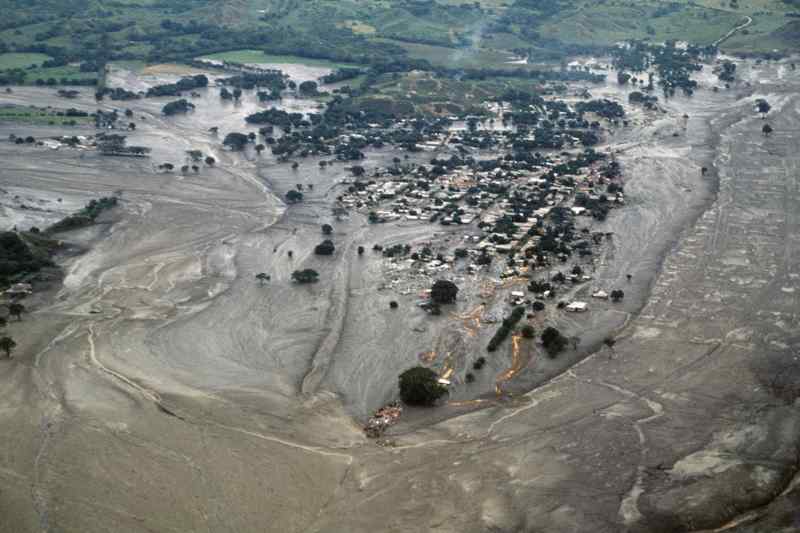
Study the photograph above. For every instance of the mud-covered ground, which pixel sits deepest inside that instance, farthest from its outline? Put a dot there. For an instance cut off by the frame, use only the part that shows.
(163, 389)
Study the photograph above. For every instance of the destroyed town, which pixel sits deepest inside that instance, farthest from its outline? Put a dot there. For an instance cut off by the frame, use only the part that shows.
(412, 265)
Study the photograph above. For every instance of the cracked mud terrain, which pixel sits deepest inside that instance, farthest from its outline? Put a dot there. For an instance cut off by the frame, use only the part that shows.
(161, 389)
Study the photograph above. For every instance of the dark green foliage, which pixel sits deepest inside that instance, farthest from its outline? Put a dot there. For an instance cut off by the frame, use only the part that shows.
(85, 216)
(20, 256)
(7, 344)
(326, 247)
(420, 386)
(554, 342)
(293, 197)
(175, 89)
(178, 106)
(305, 276)
(506, 328)
(236, 141)
(444, 292)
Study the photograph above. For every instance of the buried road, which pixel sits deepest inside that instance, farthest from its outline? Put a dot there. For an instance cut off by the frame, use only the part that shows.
(163, 389)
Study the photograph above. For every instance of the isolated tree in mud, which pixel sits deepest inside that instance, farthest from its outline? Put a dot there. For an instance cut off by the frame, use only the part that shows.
(262, 277)
(444, 292)
(327, 229)
(766, 130)
(260, 148)
(326, 247)
(16, 309)
(617, 295)
(305, 276)
(554, 342)
(236, 141)
(7, 344)
(210, 161)
(293, 197)
(420, 386)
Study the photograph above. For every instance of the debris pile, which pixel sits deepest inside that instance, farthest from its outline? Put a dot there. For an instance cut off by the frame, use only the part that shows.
(382, 419)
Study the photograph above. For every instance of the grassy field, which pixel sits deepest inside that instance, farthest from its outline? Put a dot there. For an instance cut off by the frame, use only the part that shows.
(21, 60)
(455, 57)
(259, 57)
(39, 116)
(57, 73)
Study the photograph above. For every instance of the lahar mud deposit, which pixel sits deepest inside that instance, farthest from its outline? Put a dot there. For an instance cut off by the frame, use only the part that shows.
(159, 386)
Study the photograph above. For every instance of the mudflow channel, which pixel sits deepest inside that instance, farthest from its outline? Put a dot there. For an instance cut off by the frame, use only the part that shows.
(162, 389)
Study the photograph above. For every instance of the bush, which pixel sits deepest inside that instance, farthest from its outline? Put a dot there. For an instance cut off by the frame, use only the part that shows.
(326, 247)
(305, 276)
(505, 328)
(420, 386)
(444, 292)
(293, 197)
(554, 342)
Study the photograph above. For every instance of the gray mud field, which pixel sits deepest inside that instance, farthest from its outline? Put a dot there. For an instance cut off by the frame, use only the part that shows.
(161, 388)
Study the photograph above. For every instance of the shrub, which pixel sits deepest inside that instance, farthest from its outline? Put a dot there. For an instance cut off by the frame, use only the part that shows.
(554, 342)
(305, 276)
(326, 247)
(444, 292)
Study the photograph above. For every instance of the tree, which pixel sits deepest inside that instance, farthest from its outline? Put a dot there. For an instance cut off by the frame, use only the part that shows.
(7, 344)
(16, 309)
(178, 106)
(327, 229)
(236, 141)
(554, 342)
(326, 247)
(260, 148)
(393, 304)
(294, 197)
(3, 322)
(444, 292)
(420, 386)
(210, 161)
(766, 130)
(357, 171)
(360, 250)
(262, 277)
(617, 295)
(308, 88)
(305, 276)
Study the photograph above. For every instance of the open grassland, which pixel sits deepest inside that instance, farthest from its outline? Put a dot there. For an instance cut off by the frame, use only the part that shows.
(21, 60)
(260, 57)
